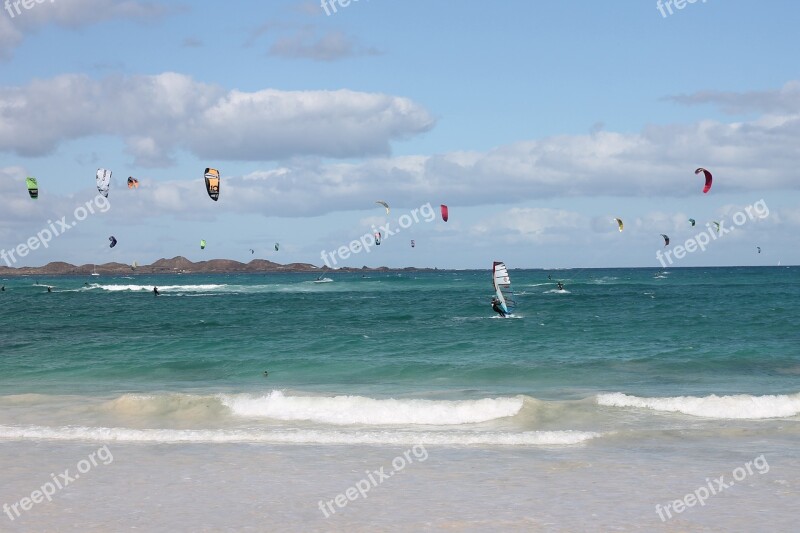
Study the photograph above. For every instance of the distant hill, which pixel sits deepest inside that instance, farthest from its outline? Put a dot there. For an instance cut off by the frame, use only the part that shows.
(177, 265)
(162, 266)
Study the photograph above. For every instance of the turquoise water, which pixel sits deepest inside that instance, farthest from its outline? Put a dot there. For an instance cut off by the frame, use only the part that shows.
(641, 331)
(581, 413)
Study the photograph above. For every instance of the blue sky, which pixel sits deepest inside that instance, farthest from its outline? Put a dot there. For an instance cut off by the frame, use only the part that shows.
(536, 122)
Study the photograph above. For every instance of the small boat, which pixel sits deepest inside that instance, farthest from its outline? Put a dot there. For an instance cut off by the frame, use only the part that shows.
(94, 271)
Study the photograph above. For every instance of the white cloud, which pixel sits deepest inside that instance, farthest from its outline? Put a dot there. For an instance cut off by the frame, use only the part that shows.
(659, 162)
(530, 224)
(783, 100)
(157, 115)
(19, 22)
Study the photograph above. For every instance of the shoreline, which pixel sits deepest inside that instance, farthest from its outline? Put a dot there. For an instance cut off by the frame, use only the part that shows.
(181, 265)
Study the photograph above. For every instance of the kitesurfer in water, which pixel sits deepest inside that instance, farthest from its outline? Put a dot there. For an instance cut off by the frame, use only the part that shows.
(496, 307)
(155, 291)
(49, 289)
(560, 286)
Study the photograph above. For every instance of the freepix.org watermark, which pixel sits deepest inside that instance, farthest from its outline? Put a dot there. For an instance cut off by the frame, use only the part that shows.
(373, 479)
(330, 5)
(59, 482)
(665, 6)
(712, 488)
(368, 240)
(701, 240)
(12, 7)
(54, 229)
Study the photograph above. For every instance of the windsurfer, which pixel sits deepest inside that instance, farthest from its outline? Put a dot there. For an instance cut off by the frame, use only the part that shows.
(496, 307)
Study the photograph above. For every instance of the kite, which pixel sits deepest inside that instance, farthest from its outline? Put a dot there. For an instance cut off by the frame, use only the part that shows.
(708, 176)
(33, 187)
(212, 183)
(103, 181)
(384, 204)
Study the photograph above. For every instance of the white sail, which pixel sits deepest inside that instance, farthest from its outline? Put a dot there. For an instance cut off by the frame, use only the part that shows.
(502, 287)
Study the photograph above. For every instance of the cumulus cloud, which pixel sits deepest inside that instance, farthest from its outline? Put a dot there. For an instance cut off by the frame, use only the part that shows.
(783, 100)
(157, 115)
(530, 224)
(657, 162)
(71, 14)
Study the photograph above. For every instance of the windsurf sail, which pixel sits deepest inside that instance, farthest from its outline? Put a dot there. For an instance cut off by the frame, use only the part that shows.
(445, 212)
(33, 187)
(103, 178)
(212, 183)
(502, 287)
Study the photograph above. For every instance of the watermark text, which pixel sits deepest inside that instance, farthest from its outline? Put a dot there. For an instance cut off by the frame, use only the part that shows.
(59, 482)
(54, 229)
(368, 240)
(712, 488)
(665, 6)
(701, 240)
(374, 478)
(12, 7)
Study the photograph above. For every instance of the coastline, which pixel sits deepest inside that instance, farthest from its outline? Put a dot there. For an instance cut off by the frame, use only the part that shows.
(181, 265)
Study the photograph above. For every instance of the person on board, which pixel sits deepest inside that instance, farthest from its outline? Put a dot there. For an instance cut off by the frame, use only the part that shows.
(560, 286)
(155, 291)
(496, 307)
(49, 289)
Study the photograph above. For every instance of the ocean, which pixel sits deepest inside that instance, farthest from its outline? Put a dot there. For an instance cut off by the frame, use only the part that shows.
(636, 400)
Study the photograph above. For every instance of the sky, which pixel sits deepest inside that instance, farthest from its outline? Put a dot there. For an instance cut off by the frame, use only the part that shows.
(536, 122)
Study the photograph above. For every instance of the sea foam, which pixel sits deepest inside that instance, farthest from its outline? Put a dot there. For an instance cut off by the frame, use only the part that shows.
(176, 436)
(346, 410)
(742, 406)
(187, 288)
